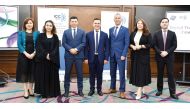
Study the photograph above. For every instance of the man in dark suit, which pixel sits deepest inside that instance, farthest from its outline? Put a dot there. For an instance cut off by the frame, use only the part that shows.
(164, 43)
(119, 42)
(73, 41)
(96, 55)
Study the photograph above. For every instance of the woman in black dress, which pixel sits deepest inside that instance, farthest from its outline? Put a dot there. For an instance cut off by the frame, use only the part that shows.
(47, 62)
(25, 65)
(140, 42)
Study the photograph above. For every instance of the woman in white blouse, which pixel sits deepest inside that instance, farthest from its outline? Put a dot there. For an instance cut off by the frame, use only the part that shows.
(140, 42)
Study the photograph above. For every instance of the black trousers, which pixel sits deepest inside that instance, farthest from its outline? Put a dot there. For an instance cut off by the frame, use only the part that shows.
(96, 69)
(171, 81)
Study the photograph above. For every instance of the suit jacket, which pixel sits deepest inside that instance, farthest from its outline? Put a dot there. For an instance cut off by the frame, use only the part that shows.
(103, 47)
(119, 45)
(79, 42)
(21, 40)
(142, 55)
(171, 45)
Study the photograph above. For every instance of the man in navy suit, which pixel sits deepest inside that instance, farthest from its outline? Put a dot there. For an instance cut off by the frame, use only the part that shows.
(119, 42)
(165, 42)
(96, 55)
(73, 41)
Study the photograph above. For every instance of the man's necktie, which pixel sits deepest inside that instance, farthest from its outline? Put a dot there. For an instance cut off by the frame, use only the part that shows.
(115, 32)
(74, 33)
(96, 48)
(164, 39)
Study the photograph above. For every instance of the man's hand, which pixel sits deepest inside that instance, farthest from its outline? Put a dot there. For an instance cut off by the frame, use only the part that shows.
(122, 58)
(86, 61)
(105, 61)
(47, 57)
(164, 53)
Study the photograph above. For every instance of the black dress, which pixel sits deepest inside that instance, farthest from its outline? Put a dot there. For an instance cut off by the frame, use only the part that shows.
(140, 62)
(25, 66)
(47, 71)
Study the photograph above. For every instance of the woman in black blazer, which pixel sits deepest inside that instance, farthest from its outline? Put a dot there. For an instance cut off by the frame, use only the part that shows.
(140, 42)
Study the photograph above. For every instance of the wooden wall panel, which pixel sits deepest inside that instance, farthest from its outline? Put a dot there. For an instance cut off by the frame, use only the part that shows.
(8, 60)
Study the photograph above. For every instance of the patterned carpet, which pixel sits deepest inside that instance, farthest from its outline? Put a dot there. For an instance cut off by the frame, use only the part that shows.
(13, 93)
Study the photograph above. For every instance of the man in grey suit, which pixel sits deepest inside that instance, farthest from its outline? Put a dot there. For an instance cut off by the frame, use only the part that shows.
(73, 41)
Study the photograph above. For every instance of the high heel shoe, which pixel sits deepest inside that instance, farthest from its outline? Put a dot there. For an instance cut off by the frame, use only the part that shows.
(30, 93)
(138, 97)
(143, 90)
(26, 97)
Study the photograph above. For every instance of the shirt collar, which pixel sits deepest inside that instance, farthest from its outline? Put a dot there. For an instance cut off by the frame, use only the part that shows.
(95, 31)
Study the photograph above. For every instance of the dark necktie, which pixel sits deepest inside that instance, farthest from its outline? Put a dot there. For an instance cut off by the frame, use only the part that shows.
(96, 48)
(74, 33)
(115, 32)
(164, 39)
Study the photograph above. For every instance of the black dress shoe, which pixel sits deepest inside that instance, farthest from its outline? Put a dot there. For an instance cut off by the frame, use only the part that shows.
(158, 93)
(80, 93)
(174, 96)
(66, 94)
(100, 93)
(91, 93)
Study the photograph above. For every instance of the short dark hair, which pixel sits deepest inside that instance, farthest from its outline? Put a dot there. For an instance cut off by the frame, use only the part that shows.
(97, 19)
(26, 22)
(53, 31)
(163, 19)
(73, 17)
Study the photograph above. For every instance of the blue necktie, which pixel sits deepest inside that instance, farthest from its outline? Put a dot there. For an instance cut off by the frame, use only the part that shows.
(96, 48)
(115, 32)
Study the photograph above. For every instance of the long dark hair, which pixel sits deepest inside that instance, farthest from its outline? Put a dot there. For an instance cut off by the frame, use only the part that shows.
(53, 31)
(145, 30)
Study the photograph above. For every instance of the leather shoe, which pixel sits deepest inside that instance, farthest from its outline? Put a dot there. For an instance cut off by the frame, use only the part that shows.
(66, 94)
(80, 93)
(174, 96)
(111, 91)
(100, 93)
(158, 93)
(122, 95)
(91, 93)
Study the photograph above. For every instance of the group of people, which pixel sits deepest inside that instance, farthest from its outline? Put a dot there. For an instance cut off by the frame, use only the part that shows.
(38, 60)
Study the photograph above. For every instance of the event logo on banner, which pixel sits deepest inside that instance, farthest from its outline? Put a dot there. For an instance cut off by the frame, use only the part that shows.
(107, 21)
(60, 17)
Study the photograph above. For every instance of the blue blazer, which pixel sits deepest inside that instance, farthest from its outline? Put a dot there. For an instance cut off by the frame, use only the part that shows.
(79, 42)
(119, 45)
(21, 40)
(103, 47)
